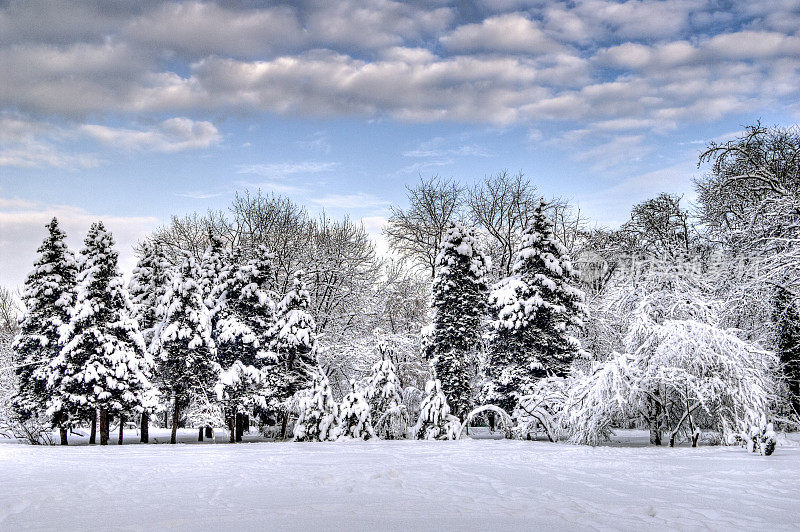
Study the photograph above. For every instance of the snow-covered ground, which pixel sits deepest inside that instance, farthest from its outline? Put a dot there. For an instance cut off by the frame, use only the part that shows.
(466, 485)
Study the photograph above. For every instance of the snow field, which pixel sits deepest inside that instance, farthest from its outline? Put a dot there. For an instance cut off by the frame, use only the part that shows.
(393, 485)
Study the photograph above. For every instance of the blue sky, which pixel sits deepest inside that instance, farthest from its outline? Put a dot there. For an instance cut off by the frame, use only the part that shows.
(131, 112)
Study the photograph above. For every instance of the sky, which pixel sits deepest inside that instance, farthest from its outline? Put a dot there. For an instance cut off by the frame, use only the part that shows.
(131, 112)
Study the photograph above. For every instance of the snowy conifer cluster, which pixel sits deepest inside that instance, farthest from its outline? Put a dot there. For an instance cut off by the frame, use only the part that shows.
(292, 324)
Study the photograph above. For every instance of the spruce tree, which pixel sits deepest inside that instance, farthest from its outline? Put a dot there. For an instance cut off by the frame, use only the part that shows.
(355, 419)
(459, 301)
(435, 421)
(149, 282)
(787, 318)
(48, 297)
(531, 314)
(242, 333)
(389, 414)
(183, 346)
(319, 413)
(102, 364)
(294, 344)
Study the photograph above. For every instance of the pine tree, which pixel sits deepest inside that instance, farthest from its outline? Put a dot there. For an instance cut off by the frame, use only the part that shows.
(787, 318)
(294, 344)
(389, 414)
(214, 267)
(531, 313)
(319, 413)
(48, 297)
(183, 345)
(243, 336)
(149, 282)
(103, 364)
(459, 300)
(435, 421)
(355, 419)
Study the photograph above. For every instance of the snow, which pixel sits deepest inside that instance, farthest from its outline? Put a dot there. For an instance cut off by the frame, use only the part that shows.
(392, 485)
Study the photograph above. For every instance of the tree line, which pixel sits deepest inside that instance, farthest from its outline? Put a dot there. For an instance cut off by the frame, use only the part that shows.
(681, 320)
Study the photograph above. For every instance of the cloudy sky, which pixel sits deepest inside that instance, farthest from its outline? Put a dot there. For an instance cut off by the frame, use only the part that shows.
(132, 111)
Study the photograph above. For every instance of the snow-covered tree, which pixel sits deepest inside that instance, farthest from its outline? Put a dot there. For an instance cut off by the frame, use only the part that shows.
(319, 412)
(389, 414)
(103, 364)
(532, 312)
(294, 343)
(355, 418)
(183, 346)
(243, 336)
(47, 297)
(149, 282)
(435, 421)
(787, 320)
(459, 302)
(213, 269)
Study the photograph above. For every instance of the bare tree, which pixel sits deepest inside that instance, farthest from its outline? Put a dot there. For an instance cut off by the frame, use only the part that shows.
(502, 205)
(416, 233)
(9, 312)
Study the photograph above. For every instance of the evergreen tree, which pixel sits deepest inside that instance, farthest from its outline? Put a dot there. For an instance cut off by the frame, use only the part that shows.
(48, 297)
(531, 313)
(319, 413)
(459, 300)
(389, 414)
(103, 364)
(787, 319)
(243, 336)
(183, 346)
(435, 421)
(214, 267)
(149, 282)
(294, 344)
(355, 420)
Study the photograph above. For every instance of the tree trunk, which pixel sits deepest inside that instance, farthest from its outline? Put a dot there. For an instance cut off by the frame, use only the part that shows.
(695, 437)
(246, 420)
(209, 432)
(654, 413)
(63, 432)
(174, 437)
(232, 427)
(239, 426)
(284, 424)
(103, 426)
(93, 433)
(672, 440)
(655, 433)
(145, 431)
(166, 418)
(121, 428)
(200, 434)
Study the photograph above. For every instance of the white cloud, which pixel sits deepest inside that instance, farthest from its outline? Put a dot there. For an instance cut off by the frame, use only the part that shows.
(505, 33)
(26, 143)
(439, 147)
(358, 200)
(277, 170)
(202, 28)
(171, 135)
(22, 229)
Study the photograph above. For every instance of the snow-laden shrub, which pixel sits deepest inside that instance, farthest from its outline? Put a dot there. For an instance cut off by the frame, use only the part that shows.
(319, 413)
(355, 419)
(683, 371)
(389, 414)
(435, 421)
